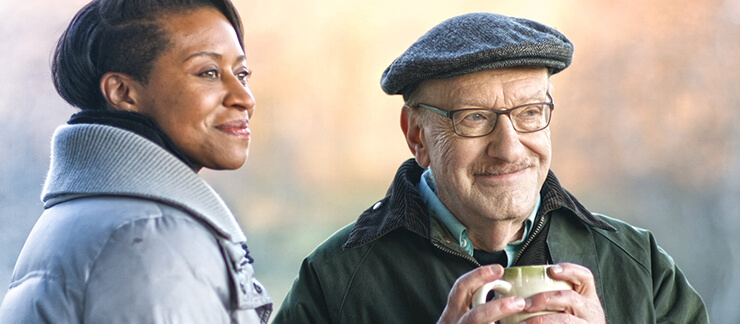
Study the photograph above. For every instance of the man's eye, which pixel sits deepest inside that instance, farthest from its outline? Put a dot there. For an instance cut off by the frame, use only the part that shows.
(475, 117)
(531, 111)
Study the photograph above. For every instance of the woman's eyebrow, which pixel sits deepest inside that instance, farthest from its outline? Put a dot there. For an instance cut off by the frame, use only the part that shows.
(213, 55)
(204, 53)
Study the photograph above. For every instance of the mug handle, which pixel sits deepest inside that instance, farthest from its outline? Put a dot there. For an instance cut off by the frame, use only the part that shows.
(499, 286)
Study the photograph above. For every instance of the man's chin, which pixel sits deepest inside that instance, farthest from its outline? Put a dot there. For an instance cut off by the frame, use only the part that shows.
(507, 207)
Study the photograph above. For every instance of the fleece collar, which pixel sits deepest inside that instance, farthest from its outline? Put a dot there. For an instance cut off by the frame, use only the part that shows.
(93, 160)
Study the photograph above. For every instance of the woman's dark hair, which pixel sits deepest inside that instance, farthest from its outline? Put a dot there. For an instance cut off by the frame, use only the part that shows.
(118, 36)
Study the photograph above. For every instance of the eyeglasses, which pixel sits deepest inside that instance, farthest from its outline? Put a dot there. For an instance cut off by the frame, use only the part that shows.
(476, 122)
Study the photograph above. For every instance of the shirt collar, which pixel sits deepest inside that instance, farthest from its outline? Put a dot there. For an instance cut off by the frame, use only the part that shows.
(428, 189)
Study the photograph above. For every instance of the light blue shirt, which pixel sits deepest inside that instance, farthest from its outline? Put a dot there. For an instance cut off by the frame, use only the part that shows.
(428, 189)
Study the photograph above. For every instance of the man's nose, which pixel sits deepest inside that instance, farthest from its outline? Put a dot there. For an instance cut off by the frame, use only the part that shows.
(504, 142)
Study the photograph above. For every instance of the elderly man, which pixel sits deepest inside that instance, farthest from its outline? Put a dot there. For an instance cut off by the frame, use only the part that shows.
(480, 196)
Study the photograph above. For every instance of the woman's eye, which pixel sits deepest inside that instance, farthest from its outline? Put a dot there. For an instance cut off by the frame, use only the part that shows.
(244, 75)
(211, 74)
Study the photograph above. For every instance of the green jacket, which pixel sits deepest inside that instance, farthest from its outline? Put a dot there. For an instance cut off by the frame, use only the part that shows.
(396, 264)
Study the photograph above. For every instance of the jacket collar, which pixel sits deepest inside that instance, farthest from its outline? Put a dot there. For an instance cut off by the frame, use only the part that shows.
(404, 207)
(93, 160)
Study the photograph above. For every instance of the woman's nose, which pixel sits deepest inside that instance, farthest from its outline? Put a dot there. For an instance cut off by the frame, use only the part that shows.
(239, 96)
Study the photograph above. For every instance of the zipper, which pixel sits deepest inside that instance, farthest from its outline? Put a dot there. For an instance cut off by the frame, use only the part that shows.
(532, 235)
(438, 239)
(466, 256)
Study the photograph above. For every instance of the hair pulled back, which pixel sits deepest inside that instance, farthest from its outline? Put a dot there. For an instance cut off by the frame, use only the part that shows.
(118, 36)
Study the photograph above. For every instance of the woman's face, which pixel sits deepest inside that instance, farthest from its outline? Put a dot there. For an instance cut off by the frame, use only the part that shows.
(197, 90)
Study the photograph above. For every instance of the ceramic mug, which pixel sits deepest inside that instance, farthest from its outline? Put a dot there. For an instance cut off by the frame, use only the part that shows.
(520, 281)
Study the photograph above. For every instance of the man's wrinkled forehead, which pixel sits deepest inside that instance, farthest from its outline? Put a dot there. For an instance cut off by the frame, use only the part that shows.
(493, 88)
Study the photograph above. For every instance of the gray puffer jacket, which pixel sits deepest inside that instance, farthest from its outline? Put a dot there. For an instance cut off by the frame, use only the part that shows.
(130, 234)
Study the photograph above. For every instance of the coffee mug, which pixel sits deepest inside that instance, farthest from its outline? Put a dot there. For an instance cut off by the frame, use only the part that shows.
(522, 281)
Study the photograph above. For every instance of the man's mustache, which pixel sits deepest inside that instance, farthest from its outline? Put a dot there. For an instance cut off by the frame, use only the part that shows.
(501, 169)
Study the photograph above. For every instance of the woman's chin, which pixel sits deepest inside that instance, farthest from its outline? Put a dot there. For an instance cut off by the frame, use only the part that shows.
(232, 163)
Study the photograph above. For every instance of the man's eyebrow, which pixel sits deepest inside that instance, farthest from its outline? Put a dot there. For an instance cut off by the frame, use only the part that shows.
(476, 102)
(539, 96)
(535, 96)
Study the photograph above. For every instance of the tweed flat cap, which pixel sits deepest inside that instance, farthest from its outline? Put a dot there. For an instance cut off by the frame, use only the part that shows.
(476, 42)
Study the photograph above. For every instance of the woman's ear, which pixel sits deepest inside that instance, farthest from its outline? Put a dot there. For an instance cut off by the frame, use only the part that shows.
(121, 91)
(415, 137)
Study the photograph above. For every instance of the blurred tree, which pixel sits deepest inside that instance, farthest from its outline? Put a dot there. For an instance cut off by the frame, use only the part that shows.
(644, 129)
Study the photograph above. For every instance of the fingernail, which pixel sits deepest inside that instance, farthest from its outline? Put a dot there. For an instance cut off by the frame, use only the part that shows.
(556, 269)
(528, 303)
(519, 302)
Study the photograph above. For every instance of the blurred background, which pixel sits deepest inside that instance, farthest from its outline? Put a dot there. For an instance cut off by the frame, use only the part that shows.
(645, 130)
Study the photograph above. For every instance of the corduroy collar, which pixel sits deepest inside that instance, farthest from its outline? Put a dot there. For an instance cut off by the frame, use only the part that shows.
(93, 160)
(404, 207)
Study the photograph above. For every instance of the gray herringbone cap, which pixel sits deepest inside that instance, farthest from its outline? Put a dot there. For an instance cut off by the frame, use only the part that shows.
(476, 42)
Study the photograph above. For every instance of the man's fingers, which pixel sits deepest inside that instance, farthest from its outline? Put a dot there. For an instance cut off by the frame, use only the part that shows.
(579, 276)
(562, 301)
(565, 302)
(582, 302)
(465, 286)
(556, 318)
(494, 310)
(461, 294)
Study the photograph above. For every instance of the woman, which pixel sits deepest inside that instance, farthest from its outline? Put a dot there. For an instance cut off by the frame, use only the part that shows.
(130, 233)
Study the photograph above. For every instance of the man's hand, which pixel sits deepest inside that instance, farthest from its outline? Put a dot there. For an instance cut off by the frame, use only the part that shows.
(461, 296)
(580, 305)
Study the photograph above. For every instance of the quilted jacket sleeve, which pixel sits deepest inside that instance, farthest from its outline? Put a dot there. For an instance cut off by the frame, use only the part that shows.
(40, 298)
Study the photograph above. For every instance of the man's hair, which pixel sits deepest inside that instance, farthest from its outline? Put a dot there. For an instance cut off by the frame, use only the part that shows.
(123, 36)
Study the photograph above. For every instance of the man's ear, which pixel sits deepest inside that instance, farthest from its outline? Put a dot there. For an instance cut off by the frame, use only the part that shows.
(415, 137)
(121, 91)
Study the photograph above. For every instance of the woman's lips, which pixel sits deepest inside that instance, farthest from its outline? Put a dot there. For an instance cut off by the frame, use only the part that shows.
(238, 128)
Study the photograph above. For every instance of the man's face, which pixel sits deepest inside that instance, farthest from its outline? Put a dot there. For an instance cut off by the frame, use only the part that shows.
(496, 177)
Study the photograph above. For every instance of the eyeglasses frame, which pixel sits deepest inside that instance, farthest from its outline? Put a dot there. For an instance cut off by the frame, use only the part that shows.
(449, 113)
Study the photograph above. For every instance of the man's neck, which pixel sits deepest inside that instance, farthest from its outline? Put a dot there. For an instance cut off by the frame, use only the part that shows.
(495, 235)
